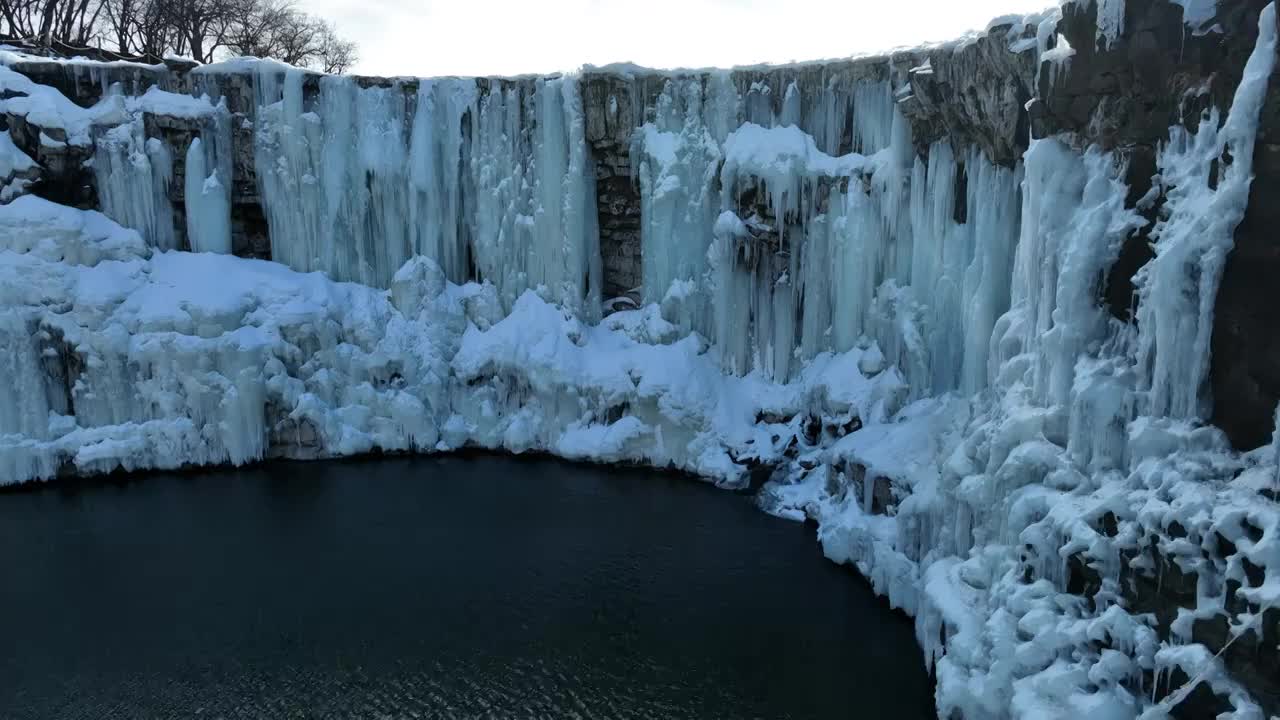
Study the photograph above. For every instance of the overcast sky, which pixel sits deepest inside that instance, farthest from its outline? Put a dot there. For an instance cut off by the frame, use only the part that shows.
(508, 37)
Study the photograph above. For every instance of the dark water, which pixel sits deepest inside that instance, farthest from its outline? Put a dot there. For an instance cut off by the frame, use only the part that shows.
(433, 588)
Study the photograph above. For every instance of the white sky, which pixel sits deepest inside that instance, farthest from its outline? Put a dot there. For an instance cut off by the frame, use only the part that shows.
(509, 37)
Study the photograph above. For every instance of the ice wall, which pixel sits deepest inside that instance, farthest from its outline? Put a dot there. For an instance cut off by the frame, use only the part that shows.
(765, 241)
(133, 176)
(490, 180)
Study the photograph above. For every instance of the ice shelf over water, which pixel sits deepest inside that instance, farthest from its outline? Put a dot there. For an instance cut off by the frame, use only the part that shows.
(910, 343)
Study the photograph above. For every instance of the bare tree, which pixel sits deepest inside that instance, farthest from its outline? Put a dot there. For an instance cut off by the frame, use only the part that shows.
(138, 27)
(203, 29)
(278, 29)
(254, 35)
(337, 55)
(153, 34)
(21, 17)
(75, 22)
(121, 19)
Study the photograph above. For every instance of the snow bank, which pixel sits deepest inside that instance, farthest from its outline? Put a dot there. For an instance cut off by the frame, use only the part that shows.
(162, 102)
(779, 154)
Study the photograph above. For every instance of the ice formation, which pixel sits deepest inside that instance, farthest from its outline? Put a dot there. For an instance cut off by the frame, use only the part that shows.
(810, 251)
(371, 176)
(909, 340)
(1091, 424)
(15, 166)
(123, 356)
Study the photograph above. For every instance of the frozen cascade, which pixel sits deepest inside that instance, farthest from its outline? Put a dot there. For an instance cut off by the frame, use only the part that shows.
(1206, 200)
(678, 160)
(132, 171)
(208, 204)
(133, 174)
(492, 183)
(808, 251)
(436, 222)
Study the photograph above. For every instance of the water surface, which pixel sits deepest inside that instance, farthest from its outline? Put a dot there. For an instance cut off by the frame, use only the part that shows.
(482, 587)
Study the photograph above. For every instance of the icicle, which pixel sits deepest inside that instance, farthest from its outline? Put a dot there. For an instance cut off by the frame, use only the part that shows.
(994, 208)
(1110, 21)
(24, 404)
(791, 106)
(873, 113)
(960, 270)
(1275, 446)
(498, 187)
(133, 174)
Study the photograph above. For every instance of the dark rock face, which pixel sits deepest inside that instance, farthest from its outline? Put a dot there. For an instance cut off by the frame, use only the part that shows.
(1157, 73)
(608, 106)
(1124, 96)
(977, 93)
(1245, 370)
(1118, 289)
(63, 177)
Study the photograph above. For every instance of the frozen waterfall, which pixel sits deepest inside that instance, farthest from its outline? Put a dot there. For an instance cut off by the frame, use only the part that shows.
(777, 248)
(906, 330)
(492, 182)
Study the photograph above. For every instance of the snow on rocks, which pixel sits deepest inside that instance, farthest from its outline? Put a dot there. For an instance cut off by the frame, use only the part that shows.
(779, 154)
(56, 233)
(60, 120)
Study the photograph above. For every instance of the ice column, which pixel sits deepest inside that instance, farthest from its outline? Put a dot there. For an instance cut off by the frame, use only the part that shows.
(133, 174)
(961, 260)
(436, 174)
(534, 222)
(208, 203)
(678, 159)
(24, 407)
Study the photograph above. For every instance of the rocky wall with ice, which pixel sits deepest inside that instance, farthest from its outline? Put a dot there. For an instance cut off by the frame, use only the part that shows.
(994, 313)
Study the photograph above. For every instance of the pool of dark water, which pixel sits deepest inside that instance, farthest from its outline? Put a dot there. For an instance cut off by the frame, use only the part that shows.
(482, 587)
